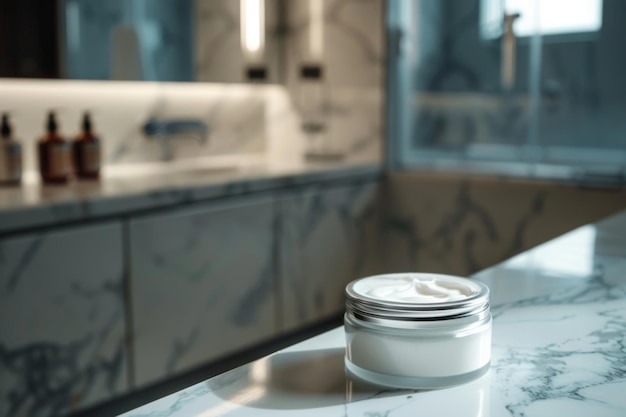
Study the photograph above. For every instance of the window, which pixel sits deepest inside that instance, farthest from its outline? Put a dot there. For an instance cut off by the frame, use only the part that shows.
(550, 17)
(562, 117)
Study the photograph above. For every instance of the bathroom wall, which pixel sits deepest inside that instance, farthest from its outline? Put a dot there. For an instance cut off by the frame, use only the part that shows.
(236, 115)
(218, 54)
(242, 118)
(354, 66)
(353, 61)
(446, 222)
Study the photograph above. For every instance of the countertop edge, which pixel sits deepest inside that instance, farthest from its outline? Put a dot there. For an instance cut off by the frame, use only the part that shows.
(93, 207)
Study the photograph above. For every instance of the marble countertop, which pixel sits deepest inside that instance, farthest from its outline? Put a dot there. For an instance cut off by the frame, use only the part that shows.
(559, 348)
(119, 192)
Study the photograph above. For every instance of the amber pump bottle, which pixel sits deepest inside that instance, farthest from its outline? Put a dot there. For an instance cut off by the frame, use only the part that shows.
(55, 164)
(86, 151)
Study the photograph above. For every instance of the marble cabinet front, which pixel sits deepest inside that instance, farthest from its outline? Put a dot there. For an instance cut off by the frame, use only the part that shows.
(328, 237)
(202, 284)
(62, 343)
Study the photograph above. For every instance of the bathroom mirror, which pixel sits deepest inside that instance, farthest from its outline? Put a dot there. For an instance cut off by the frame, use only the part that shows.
(226, 41)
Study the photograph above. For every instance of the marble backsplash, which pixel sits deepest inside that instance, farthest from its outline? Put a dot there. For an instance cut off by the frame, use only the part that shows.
(234, 114)
(218, 55)
(353, 62)
(352, 58)
(454, 224)
(242, 118)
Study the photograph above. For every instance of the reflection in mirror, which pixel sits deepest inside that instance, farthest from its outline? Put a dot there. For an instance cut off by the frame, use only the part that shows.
(166, 40)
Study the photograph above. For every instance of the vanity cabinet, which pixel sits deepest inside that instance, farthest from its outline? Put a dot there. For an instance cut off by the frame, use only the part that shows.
(179, 288)
(207, 281)
(328, 237)
(62, 331)
(202, 284)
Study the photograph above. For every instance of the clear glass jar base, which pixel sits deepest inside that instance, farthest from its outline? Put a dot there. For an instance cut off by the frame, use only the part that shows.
(394, 381)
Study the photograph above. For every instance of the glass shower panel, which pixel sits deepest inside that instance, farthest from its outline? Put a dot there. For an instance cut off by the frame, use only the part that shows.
(583, 94)
(469, 92)
(526, 87)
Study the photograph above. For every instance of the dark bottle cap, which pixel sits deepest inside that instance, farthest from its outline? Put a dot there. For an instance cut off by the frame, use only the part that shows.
(87, 125)
(5, 129)
(52, 125)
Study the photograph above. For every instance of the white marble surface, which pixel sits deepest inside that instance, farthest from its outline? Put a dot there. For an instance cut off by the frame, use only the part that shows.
(62, 334)
(218, 53)
(352, 57)
(558, 349)
(34, 205)
(246, 122)
(240, 267)
(352, 51)
(329, 236)
(462, 223)
(203, 284)
(236, 115)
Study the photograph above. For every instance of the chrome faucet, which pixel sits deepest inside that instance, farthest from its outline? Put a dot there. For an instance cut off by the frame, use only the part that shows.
(166, 130)
(508, 47)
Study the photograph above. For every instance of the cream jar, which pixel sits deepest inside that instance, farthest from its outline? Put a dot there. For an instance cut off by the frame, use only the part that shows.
(417, 330)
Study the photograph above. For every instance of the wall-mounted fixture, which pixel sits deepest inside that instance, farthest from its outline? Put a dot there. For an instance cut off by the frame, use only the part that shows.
(315, 44)
(166, 130)
(253, 38)
(507, 66)
(547, 17)
(313, 94)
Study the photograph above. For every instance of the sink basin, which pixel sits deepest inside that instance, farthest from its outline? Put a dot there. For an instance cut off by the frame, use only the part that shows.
(184, 167)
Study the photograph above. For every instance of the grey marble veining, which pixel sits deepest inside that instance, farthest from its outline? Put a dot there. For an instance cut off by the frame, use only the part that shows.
(62, 341)
(575, 361)
(329, 237)
(35, 206)
(558, 349)
(218, 53)
(353, 66)
(442, 222)
(238, 115)
(235, 114)
(203, 284)
(246, 269)
(262, 121)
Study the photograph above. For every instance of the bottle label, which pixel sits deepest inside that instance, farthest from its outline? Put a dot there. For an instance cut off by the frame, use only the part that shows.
(91, 156)
(14, 162)
(59, 159)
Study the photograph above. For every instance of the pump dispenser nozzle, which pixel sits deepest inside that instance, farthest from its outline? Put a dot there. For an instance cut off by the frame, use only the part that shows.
(10, 154)
(52, 125)
(87, 125)
(5, 128)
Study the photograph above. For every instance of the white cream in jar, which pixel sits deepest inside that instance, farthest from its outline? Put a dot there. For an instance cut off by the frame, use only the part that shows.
(417, 330)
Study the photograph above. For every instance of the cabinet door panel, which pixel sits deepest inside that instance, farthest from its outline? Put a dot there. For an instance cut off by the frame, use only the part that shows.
(62, 343)
(203, 284)
(329, 237)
